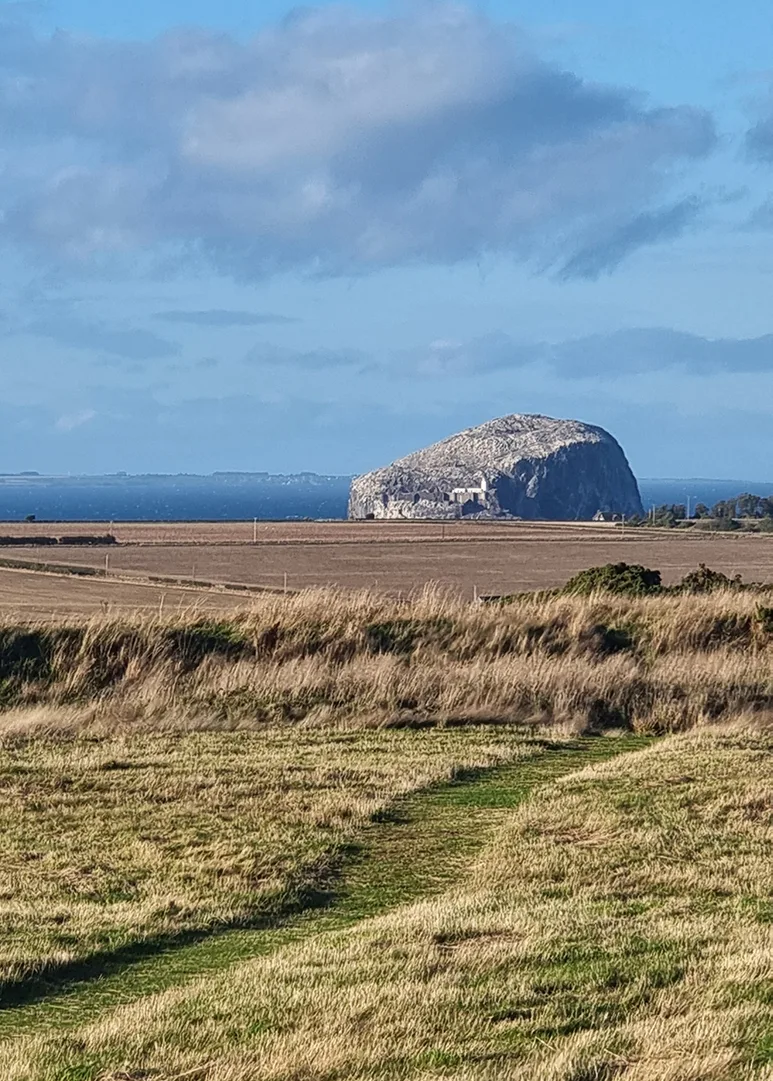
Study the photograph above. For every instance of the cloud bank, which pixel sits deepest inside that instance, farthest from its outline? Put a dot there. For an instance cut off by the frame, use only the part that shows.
(128, 343)
(759, 147)
(624, 352)
(335, 142)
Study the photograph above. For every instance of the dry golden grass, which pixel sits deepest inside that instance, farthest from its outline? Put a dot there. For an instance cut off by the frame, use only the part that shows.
(658, 663)
(112, 840)
(618, 928)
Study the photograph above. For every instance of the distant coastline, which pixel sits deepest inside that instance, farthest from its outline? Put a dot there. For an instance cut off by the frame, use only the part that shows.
(225, 476)
(241, 496)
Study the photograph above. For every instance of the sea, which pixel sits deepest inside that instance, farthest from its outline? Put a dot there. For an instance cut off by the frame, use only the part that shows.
(244, 496)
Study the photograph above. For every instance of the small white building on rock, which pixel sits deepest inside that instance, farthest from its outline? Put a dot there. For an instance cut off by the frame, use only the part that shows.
(479, 496)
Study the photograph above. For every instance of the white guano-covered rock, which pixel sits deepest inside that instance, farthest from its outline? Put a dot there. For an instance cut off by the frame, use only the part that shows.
(522, 466)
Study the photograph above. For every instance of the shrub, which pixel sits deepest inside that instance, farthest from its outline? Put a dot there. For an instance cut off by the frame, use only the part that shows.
(24, 654)
(18, 542)
(630, 579)
(705, 580)
(603, 641)
(89, 540)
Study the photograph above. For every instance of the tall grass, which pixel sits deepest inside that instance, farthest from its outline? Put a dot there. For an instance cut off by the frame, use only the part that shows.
(322, 656)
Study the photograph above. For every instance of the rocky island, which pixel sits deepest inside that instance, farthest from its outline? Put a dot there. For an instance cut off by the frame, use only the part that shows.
(520, 466)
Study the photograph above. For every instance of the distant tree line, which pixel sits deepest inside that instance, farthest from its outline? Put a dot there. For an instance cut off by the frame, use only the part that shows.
(742, 506)
(724, 514)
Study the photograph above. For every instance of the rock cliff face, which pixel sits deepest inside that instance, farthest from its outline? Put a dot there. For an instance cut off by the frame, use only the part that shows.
(521, 466)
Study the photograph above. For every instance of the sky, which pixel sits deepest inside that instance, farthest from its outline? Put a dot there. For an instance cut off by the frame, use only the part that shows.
(251, 236)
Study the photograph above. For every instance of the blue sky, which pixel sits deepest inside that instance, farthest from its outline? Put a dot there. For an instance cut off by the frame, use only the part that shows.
(247, 236)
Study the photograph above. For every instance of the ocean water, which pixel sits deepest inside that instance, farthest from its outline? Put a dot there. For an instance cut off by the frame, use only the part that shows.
(173, 498)
(241, 497)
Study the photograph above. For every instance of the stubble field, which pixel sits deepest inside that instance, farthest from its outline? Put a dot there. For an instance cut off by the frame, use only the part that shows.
(36, 595)
(396, 557)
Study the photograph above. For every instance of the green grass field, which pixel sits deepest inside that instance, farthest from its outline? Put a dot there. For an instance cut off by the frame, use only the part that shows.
(110, 843)
(526, 885)
(597, 910)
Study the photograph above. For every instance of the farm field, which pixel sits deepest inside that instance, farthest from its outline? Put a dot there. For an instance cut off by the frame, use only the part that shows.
(31, 594)
(301, 532)
(493, 558)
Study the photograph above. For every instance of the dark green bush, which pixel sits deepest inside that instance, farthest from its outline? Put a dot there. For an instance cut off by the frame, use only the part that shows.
(393, 636)
(107, 657)
(27, 541)
(34, 657)
(88, 540)
(705, 580)
(622, 578)
(717, 525)
(25, 655)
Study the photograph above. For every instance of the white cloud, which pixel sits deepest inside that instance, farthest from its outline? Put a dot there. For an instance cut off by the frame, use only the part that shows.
(70, 421)
(338, 142)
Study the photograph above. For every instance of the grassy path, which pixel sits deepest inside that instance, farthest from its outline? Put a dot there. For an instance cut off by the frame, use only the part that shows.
(420, 849)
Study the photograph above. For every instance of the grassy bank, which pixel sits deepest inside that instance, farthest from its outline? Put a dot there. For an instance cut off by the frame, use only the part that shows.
(656, 663)
(617, 926)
